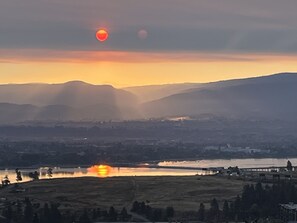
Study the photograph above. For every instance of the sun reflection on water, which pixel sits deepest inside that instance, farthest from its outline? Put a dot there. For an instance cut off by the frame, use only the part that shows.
(100, 170)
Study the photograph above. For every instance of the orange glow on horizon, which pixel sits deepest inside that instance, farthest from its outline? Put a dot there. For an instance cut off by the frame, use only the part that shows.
(100, 170)
(141, 68)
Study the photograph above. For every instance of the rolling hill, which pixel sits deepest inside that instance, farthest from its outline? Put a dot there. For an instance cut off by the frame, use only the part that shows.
(74, 100)
(267, 97)
(262, 97)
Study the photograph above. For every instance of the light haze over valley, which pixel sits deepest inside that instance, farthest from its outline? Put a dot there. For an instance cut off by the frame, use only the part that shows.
(268, 97)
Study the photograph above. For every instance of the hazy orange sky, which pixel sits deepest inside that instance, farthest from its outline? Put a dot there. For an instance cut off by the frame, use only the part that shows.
(185, 41)
(128, 73)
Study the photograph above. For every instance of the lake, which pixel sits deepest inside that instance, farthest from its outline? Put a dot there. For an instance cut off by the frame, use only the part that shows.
(242, 163)
(107, 171)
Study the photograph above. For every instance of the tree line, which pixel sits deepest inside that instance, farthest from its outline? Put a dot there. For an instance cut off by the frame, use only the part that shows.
(257, 201)
(26, 211)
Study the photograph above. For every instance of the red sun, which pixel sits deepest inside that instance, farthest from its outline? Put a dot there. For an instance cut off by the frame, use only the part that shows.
(102, 35)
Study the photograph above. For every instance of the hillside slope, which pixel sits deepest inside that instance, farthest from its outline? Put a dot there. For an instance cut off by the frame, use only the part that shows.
(263, 97)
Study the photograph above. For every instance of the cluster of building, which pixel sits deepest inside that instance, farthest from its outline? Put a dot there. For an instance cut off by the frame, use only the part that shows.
(236, 149)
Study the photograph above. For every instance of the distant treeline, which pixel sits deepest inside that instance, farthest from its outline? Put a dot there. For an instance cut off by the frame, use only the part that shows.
(256, 202)
(27, 211)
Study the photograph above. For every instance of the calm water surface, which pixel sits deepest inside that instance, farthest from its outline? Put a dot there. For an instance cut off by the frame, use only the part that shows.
(106, 171)
(242, 163)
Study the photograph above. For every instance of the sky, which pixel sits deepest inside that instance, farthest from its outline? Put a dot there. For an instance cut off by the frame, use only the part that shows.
(54, 41)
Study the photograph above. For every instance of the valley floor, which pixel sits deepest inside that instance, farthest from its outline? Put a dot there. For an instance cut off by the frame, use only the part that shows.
(182, 193)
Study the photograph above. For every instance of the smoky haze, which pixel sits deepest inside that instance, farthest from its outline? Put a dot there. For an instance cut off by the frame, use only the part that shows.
(191, 25)
(267, 97)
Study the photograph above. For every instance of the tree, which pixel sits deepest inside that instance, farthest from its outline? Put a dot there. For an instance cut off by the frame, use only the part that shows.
(94, 214)
(226, 210)
(28, 212)
(149, 212)
(5, 181)
(260, 193)
(169, 212)
(55, 213)
(142, 208)
(7, 213)
(35, 219)
(135, 206)
(84, 218)
(50, 172)
(18, 214)
(289, 166)
(214, 210)
(98, 212)
(254, 211)
(247, 198)
(34, 175)
(201, 212)
(237, 207)
(214, 205)
(124, 214)
(18, 175)
(112, 214)
(45, 215)
(157, 215)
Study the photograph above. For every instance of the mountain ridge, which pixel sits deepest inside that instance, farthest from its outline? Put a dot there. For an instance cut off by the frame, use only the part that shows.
(73, 100)
(239, 98)
(271, 96)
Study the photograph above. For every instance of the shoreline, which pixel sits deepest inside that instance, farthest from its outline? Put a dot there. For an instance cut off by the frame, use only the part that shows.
(134, 165)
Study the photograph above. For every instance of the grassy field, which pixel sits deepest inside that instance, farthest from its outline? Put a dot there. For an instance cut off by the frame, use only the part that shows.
(183, 193)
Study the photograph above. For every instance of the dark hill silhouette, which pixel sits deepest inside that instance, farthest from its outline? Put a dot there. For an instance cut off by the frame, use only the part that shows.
(262, 97)
(267, 97)
(74, 100)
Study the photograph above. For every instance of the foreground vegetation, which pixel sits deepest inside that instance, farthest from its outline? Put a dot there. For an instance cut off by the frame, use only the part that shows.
(205, 199)
(184, 193)
(158, 197)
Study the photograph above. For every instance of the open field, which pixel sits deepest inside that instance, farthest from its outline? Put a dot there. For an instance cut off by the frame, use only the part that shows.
(183, 193)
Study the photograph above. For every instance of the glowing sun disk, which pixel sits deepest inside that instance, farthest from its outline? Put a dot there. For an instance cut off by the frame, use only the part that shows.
(102, 35)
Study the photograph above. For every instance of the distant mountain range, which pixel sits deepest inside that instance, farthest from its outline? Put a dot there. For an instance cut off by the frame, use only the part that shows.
(74, 100)
(267, 97)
